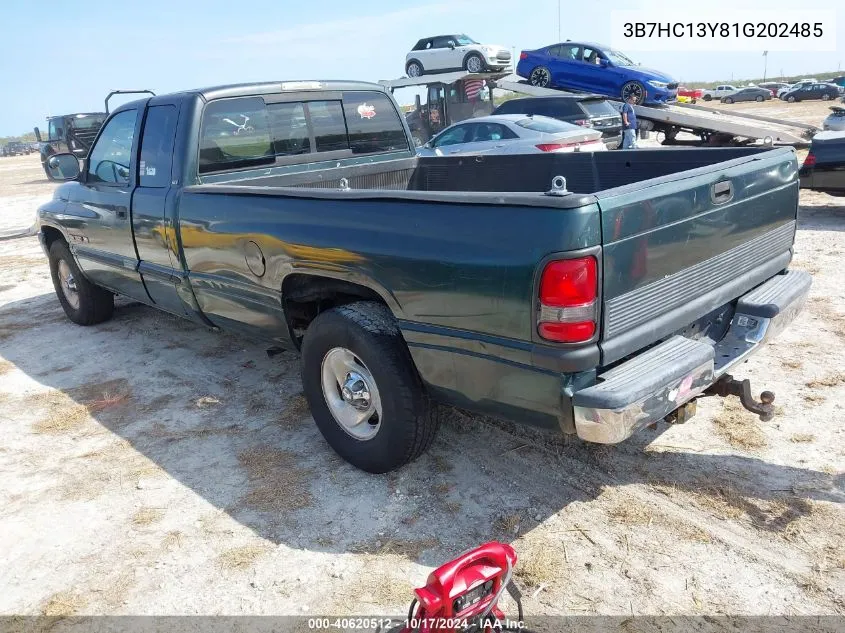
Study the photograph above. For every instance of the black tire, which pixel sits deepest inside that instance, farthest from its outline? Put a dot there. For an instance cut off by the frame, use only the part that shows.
(540, 77)
(825, 97)
(95, 304)
(791, 99)
(414, 68)
(481, 65)
(708, 97)
(759, 98)
(407, 428)
(635, 88)
(727, 100)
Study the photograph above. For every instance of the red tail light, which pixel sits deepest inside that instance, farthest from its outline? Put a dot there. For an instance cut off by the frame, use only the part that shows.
(523, 55)
(810, 160)
(584, 122)
(553, 147)
(568, 300)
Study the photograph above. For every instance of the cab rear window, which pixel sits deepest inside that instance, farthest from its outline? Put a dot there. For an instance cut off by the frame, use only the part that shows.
(244, 132)
(373, 124)
(235, 134)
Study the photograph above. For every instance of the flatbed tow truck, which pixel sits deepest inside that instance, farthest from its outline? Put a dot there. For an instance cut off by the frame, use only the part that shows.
(710, 126)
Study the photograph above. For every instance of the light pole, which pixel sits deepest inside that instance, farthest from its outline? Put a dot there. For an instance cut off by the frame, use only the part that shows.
(765, 63)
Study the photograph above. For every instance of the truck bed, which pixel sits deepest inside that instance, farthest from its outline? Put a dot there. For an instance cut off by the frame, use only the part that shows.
(670, 250)
(585, 172)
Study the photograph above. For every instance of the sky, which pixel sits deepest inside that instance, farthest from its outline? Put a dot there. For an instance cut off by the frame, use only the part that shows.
(64, 56)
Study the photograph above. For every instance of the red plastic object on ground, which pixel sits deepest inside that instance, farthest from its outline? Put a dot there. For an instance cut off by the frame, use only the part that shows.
(458, 594)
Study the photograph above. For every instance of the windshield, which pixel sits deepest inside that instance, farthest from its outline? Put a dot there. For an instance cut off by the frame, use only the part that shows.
(545, 124)
(88, 121)
(464, 40)
(619, 59)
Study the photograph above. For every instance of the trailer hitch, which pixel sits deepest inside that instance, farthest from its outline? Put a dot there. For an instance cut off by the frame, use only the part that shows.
(727, 385)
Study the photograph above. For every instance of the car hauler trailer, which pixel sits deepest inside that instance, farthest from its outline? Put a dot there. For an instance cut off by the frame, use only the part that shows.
(712, 126)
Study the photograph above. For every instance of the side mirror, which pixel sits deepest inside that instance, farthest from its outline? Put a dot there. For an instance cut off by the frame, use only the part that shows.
(417, 102)
(451, 45)
(63, 167)
(603, 62)
(37, 135)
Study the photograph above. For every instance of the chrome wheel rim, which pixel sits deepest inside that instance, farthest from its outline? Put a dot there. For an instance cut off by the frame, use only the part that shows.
(351, 394)
(540, 77)
(474, 65)
(414, 70)
(68, 284)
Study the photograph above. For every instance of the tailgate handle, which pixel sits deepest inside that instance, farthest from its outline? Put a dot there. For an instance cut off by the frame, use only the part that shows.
(722, 191)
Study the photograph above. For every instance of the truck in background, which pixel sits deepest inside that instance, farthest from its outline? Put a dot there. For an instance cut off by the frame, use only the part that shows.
(74, 133)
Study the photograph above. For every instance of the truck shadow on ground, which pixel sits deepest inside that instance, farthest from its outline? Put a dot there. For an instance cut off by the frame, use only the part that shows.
(217, 415)
(829, 216)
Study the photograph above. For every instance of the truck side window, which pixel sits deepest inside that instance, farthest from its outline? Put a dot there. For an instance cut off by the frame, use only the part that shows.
(54, 131)
(373, 123)
(157, 146)
(235, 134)
(109, 159)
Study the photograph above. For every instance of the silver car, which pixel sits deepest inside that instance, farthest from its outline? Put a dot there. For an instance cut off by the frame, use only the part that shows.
(512, 134)
(835, 120)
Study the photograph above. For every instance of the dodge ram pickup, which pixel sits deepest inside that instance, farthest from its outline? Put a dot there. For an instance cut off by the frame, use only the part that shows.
(590, 293)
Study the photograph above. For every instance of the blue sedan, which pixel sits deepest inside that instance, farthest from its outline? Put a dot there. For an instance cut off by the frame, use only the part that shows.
(595, 68)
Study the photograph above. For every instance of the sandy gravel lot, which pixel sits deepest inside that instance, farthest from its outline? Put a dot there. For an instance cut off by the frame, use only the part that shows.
(151, 466)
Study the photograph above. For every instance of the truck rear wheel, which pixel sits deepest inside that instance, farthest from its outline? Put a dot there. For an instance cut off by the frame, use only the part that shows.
(83, 302)
(363, 389)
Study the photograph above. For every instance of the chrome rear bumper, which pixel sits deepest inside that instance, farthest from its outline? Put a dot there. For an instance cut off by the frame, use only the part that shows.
(650, 386)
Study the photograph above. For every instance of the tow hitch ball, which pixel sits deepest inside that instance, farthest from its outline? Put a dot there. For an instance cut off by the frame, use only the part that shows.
(727, 385)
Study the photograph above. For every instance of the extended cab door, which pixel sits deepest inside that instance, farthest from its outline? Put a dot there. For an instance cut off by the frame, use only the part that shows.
(154, 209)
(102, 236)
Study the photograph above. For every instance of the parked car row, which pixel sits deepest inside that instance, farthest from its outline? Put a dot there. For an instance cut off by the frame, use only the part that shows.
(800, 91)
(16, 148)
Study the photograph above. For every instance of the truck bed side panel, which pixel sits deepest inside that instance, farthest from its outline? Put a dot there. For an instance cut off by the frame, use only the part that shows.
(459, 277)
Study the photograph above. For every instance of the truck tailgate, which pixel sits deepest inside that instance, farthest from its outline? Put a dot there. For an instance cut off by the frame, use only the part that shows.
(677, 247)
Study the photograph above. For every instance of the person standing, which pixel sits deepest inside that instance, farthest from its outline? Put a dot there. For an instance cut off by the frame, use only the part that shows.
(629, 124)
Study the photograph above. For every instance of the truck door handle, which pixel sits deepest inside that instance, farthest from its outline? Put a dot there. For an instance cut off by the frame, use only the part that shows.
(722, 192)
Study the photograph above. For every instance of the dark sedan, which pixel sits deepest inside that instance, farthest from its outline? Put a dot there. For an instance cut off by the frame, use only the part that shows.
(805, 92)
(824, 166)
(748, 94)
(585, 110)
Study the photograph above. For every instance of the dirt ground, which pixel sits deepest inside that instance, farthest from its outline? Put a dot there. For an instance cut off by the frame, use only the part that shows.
(151, 466)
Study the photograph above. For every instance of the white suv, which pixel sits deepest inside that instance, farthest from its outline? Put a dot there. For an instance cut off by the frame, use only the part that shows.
(455, 52)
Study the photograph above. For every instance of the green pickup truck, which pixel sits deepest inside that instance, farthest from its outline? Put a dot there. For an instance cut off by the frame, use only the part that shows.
(591, 293)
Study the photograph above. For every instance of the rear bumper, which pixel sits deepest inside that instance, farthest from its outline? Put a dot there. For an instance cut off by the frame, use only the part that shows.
(651, 385)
